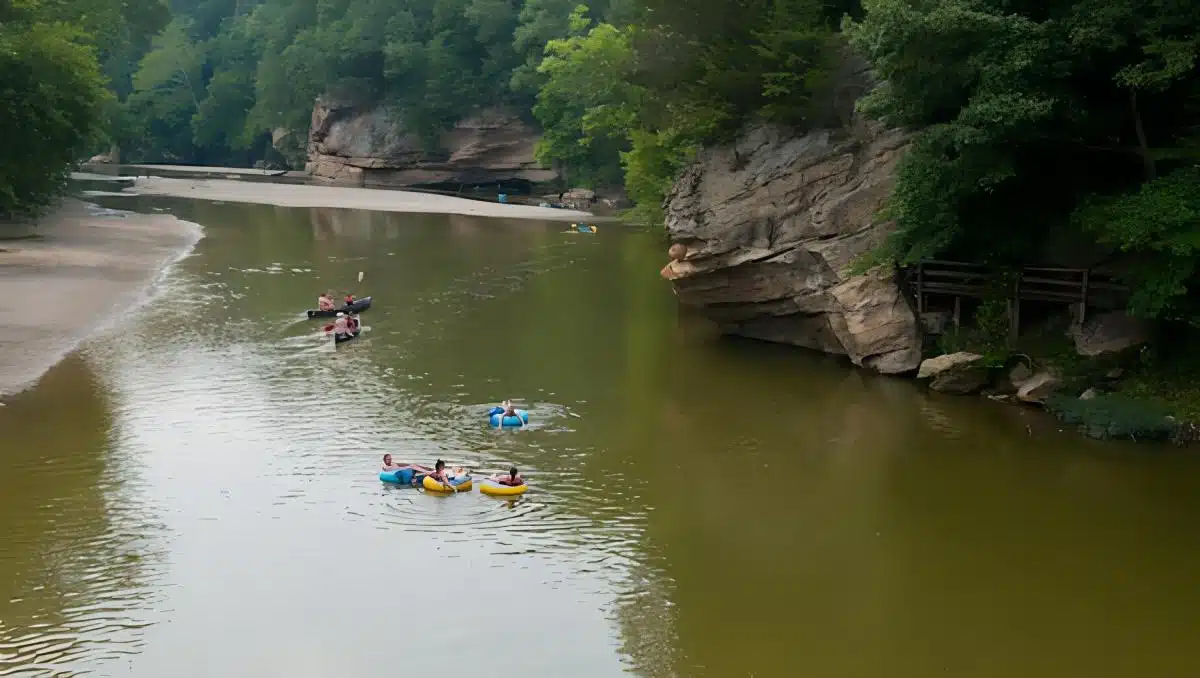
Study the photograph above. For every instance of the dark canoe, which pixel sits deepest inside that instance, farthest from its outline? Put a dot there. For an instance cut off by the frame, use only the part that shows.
(343, 338)
(358, 306)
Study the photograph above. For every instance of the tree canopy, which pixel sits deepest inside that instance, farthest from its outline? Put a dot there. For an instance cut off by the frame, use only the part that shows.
(1035, 123)
(1070, 120)
(53, 95)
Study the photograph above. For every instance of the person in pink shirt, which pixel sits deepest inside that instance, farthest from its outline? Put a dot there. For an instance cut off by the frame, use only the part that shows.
(339, 325)
(325, 302)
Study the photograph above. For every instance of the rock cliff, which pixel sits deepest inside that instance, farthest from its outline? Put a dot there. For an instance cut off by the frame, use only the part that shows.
(371, 147)
(771, 225)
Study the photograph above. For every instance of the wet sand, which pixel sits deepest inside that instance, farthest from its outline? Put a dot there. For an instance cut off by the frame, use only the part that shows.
(305, 195)
(65, 276)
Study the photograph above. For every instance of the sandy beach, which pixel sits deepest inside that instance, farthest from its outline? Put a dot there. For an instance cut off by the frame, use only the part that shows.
(65, 276)
(307, 195)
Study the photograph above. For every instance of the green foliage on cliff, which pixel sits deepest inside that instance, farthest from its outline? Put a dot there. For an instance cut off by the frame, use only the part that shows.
(1042, 120)
(226, 74)
(52, 93)
(626, 90)
(644, 95)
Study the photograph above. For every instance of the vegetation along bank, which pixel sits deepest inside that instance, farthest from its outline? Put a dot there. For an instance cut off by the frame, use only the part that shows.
(809, 157)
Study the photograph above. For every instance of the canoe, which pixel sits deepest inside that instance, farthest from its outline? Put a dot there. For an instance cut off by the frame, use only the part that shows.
(358, 306)
(495, 489)
(457, 484)
(343, 338)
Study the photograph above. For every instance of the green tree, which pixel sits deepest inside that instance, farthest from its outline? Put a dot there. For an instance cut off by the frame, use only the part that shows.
(1028, 115)
(53, 94)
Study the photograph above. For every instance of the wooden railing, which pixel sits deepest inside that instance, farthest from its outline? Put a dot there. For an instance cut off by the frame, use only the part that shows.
(1077, 287)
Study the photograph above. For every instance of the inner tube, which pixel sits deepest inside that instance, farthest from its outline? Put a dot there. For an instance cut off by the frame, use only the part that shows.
(457, 484)
(402, 476)
(494, 418)
(495, 489)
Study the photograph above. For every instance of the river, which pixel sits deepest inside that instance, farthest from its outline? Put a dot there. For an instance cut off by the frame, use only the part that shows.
(195, 493)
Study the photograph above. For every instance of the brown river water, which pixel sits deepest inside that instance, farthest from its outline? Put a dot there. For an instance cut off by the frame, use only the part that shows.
(195, 493)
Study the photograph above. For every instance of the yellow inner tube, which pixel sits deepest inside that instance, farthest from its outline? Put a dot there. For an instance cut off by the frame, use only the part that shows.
(497, 490)
(432, 485)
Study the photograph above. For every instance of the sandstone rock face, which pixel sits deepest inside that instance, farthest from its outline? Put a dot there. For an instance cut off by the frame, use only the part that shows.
(772, 224)
(1110, 332)
(372, 147)
(959, 373)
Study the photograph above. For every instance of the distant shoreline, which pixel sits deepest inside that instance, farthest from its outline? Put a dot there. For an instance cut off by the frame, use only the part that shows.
(375, 199)
(72, 274)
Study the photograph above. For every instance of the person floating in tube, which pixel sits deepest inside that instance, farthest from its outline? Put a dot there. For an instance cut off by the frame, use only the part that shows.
(509, 410)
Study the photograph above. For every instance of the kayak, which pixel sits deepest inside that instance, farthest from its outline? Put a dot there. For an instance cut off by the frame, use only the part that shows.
(358, 306)
(457, 484)
(495, 489)
(343, 338)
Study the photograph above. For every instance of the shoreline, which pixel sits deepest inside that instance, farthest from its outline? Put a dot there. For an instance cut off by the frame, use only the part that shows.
(67, 273)
(340, 197)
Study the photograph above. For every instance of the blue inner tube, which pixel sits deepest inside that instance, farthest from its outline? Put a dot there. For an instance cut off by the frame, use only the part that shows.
(404, 476)
(494, 418)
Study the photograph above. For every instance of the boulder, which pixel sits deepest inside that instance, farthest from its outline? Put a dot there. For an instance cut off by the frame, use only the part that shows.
(936, 322)
(960, 373)
(1090, 394)
(1019, 374)
(1007, 383)
(372, 146)
(773, 224)
(1110, 332)
(1038, 387)
(580, 194)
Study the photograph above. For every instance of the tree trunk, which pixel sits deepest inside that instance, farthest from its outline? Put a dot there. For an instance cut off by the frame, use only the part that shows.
(1143, 146)
(196, 102)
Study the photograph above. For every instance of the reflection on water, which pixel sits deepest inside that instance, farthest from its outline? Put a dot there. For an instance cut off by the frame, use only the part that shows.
(79, 559)
(699, 507)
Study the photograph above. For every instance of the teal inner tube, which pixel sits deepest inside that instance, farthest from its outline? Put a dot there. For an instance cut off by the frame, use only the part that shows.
(404, 476)
(521, 418)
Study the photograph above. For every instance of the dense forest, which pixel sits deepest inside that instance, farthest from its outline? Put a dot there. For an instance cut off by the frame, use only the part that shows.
(1067, 128)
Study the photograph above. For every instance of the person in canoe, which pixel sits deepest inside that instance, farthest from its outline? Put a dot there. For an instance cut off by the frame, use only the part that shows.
(349, 299)
(325, 302)
(353, 325)
(339, 324)
(512, 479)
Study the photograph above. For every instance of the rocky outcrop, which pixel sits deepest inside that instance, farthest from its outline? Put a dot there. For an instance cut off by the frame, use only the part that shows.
(772, 224)
(959, 373)
(1038, 387)
(371, 147)
(1110, 332)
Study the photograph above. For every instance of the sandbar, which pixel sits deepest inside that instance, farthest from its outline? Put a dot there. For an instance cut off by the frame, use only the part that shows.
(70, 274)
(308, 195)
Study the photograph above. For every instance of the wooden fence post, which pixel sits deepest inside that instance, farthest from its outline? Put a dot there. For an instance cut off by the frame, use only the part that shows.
(920, 287)
(1014, 326)
(1083, 301)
